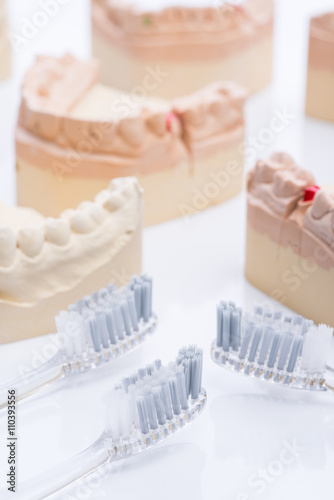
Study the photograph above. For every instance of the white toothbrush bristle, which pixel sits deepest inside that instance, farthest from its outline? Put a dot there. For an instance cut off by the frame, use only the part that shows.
(315, 348)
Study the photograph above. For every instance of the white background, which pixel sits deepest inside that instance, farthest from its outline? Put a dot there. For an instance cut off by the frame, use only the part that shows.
(246, 423)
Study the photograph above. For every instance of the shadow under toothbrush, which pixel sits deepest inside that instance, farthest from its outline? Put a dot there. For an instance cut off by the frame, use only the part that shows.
(267, 422)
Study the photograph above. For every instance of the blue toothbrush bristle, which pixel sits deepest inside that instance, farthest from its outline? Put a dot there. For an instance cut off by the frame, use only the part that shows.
(157, 394)
(110, 315)
(269, 344)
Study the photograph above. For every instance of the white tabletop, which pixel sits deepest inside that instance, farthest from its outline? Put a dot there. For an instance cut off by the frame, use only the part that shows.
(254, 440)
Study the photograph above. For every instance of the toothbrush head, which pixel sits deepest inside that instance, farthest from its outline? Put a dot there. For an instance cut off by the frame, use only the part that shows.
(284, 349)
(153, 403)
(106, 324)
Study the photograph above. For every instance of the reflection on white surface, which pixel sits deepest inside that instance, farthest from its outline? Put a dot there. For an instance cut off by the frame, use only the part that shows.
(266, 423)
(155, 474)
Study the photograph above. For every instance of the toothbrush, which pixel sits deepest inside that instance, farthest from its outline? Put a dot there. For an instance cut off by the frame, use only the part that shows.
(144, 409)
(284, 349)
(95, 330)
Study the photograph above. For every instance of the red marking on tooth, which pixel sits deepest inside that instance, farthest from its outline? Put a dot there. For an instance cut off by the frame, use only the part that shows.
(310, 193)
(171, 117)
(239, 8)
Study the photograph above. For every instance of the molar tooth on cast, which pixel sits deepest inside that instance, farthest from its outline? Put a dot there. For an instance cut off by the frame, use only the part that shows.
(97, 213)
(196, 115)
(127, 189)
(102, 196)
(219, 107)
(280, 160)
(57, 231)
(67, 214)
(113, 202)
(157, 123)
(122, 184)
(30, 240)
(132, 130)
(74, 130)
(321, 227)
(82, 222)
(322, 204)
(264, 171)
(287, 184)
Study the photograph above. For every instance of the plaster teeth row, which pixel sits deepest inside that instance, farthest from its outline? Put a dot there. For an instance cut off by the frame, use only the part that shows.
(280, 178)
(286, 177)
(99, 136)
(217, 106)
(49, 78)
(280, 183)
(132, 20)
(85, 219)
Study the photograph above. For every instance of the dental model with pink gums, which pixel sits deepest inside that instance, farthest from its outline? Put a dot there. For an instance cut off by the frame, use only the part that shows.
(290, 237)
(75, 134)
(320, 78)
(185, 44)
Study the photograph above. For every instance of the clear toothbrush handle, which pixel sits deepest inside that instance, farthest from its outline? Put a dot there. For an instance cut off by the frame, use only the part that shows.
(51, 485)
(329, 384)
(33, 380)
